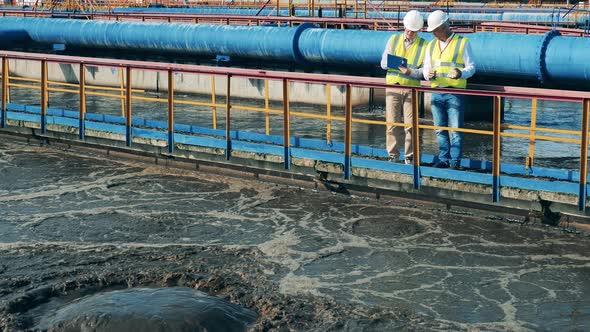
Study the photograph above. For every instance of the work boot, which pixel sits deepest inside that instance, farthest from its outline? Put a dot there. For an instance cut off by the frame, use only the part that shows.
(455, 164)
(441, 164)
(408, 161)
(393, 158)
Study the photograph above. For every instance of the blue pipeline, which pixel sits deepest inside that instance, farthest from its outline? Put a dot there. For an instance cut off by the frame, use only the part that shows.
(255, 42)
(547, 57)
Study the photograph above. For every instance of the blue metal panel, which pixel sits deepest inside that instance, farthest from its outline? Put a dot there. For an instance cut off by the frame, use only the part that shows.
(534, 184)
(105, 127)
(23, 116)
(62, 121)
(317, 155)
(457, 175)
(152, 134)
(200, 141)
(257, 147)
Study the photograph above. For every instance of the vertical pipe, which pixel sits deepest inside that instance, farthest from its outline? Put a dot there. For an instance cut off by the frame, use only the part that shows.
(43, 96)
(170, 110)
(416, 138)
(584, 155)
(81, 116)
(286, 124)
(213, 101)
(531, 156)
(4, 90)
(128, 132)
(227, 118)
(266, 108)
(348, 132)
(328, 113)
(496, 150)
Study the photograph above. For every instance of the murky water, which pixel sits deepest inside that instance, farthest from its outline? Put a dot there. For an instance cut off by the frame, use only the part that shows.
(73, 225)
(144, 309)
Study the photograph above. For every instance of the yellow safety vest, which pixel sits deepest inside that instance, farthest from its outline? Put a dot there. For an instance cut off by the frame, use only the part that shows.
(415, 55)
(447, 59)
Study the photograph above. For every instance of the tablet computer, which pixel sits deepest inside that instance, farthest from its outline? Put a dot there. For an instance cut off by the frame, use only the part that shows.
(394, 61)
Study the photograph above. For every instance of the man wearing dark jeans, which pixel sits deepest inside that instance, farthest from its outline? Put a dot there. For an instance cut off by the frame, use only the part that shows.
(448, 62)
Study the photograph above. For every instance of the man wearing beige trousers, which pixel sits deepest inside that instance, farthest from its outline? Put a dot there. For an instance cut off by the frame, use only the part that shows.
(398, 100)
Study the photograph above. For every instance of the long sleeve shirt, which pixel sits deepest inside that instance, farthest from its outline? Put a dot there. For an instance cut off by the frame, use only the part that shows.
(466, 72)
(415, 73)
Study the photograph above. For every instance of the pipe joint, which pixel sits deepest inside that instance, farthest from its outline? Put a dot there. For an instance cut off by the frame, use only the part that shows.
(542, 73)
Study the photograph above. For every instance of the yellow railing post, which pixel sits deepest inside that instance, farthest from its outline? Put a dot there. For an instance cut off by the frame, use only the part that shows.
(584, 155)
(122, 79)
(170, 110)
(328, 113)
(531, 155)
(82, 92)
(496, 149)
(348, 132)
(286, 125)
(128, 136)
(227, 117)
(416, 137)
(213, 101)
(4, 90)
(43, 96)
(266, 108)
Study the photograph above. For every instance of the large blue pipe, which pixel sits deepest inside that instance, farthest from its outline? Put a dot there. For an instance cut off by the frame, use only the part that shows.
(264, 43)
(548, 57)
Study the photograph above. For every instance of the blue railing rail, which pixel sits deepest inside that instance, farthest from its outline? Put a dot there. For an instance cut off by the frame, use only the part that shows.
(498, 93)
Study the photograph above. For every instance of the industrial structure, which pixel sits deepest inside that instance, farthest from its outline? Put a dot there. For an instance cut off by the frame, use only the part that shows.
(544, 48)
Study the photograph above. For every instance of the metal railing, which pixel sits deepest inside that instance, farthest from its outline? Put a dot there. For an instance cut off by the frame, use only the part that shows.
(498, 93)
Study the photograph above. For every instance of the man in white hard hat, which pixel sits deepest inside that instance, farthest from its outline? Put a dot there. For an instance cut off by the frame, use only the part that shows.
(398, 101)
(448, 62)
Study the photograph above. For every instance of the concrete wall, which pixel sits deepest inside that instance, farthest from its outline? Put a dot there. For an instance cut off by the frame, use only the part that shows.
(191, 83)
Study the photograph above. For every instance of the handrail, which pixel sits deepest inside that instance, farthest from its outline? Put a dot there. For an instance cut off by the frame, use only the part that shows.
(473, 89)
(496, 92)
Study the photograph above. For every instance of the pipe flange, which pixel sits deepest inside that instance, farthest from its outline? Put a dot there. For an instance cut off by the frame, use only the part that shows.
(297, 56)
(542, 73)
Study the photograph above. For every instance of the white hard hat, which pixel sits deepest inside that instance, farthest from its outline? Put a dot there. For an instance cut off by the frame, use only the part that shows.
(436, 19)
(413, 20)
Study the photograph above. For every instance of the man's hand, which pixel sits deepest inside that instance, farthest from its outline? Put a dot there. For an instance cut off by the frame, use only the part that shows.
(405, 70)
(431, 74)
(455, 73)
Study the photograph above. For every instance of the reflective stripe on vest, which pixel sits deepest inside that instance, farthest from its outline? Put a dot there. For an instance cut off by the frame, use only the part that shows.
(415, 55)
(443, 62)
